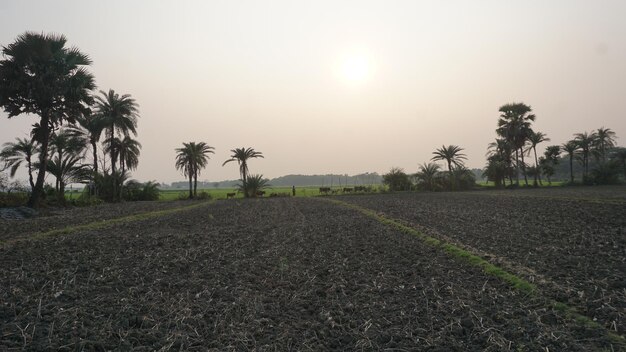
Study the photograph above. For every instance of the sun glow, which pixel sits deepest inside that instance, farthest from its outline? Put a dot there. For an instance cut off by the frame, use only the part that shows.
(354, 68)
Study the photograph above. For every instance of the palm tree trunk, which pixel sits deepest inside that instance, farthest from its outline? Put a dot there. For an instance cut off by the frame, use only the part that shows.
(516, 167)
(524, 167)
(571, 167)
(30, 174)
(538, 173)
(94, 147)
(195, 183)
(190, 185)
(33, 201)
(450, 171)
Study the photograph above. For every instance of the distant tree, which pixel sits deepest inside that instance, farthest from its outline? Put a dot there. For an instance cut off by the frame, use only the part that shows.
(619, 156)
(604, 140)
(41, 76)
(397, 180)
(500, 161)
(118, 113)
(90, 127)
(427, 174)
(571, 148)
(585, 144)
(549, 160)
(190, 159)
(241, 155)
(452, 155)
(514, 125)
(14, 154)
(535, 138)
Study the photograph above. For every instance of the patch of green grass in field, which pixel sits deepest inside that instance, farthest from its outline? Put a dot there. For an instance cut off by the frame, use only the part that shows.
(220, 193)
(101, 224)
(572, 314)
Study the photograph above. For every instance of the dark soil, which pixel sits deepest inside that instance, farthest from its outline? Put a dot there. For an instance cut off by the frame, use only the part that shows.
(569, 242)
(17, 224)
(272, 274)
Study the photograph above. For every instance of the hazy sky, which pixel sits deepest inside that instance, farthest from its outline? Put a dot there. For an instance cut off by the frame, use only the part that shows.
(339, 86)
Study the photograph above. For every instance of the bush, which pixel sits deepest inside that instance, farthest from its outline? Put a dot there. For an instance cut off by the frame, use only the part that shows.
(397, 180)
(136, 191)
(204, 195)
(604, 174)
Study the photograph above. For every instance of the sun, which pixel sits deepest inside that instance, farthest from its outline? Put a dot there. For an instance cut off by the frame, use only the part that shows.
(354, 68)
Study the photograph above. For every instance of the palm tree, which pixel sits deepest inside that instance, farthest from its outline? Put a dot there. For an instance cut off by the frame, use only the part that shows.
(570, 148)
(605, 139)
(67, 170)
(253, 185)
(191, 158)
(535, 138)
(241, 155)
(585, 143)
(119, 113)
(90, 127)
(514, 126)
(62, 142)
(500, 160)
(427, 174)
(13, 154)
(129, 150)
(452, 155)
(41, 76)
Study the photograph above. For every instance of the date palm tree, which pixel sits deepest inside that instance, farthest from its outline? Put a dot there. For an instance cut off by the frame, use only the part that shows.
(585, 142)
(90, 127)
(190, 159)
(514, 125)
(119, 114)
(62, 143)
(427, 174)
(535, 138)
(604, 140)
(452, 155)
(129, 150)
(43, 77)
(571, 148)
(14, 154)
(242, 155)
(67, 170)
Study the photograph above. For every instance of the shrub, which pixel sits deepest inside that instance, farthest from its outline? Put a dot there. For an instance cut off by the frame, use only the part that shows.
(136, 191)
(397, 180)
(253, 185)
(204, 195)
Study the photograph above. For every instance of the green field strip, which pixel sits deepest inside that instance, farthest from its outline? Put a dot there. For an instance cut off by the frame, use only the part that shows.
(489, 268)
(102, 224)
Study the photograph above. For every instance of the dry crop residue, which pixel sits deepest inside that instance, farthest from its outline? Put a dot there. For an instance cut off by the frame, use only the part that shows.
(270, 274)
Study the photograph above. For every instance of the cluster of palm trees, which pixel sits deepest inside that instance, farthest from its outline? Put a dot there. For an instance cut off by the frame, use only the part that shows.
(430, 176)
(40, 75)
(516, 139)
(598, 145)
(193, 157)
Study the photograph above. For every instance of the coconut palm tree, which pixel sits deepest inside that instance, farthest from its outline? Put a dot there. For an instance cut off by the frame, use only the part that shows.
(571, 148)
(427, 174)
(90, 127)
(119, 114)
(190, 159)
(604, 140)
(14, 154)
(535, 138)
(241, 155)
(585, 143)
(41, 76)
(514, 126)
(452, 155)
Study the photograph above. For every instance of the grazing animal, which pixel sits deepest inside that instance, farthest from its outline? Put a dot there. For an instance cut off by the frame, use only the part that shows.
(324, 190)
(260, 193)
(231, 195)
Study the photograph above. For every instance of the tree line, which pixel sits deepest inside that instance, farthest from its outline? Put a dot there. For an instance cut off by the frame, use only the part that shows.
(41, 76)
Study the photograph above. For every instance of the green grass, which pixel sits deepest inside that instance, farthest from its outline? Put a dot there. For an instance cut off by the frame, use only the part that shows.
(220, 193)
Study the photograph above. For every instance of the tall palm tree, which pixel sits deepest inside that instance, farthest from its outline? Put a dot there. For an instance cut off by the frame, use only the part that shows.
(604, 140)
(585, 143)
(120, 114)
(500, 154)
(41, 76)
(241, 155)
(571, 148)
(535, 138)
(13, 154)
(514, 126)
(190, 159)
(427, 174)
